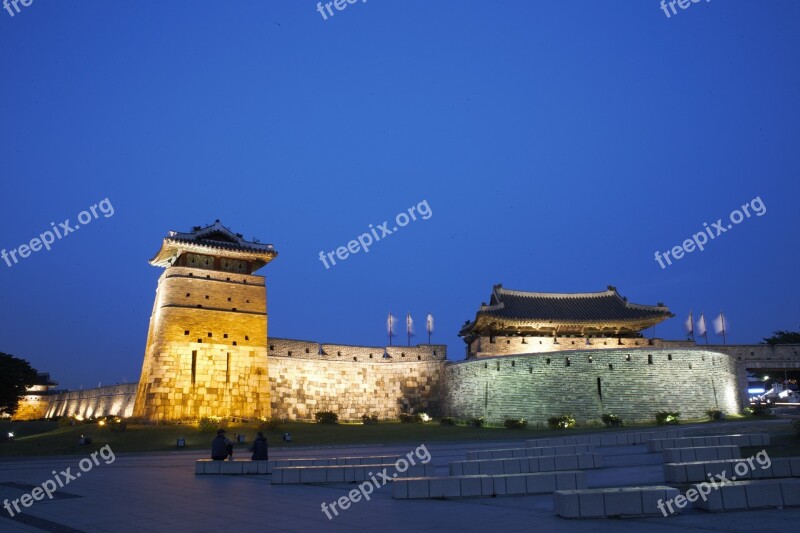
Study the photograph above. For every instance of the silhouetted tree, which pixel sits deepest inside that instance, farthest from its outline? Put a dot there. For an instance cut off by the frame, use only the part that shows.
(15, 376)
(783, 337)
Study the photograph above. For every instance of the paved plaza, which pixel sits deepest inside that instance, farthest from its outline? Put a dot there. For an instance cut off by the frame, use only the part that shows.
(160, 492)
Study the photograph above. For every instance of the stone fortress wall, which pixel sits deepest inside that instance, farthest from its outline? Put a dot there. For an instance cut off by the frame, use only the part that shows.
(683, 376)
(631, 383)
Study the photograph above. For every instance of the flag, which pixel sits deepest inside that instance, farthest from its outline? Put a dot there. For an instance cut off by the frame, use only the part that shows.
(690, 324)
(390, 325)
(720, 325)
(701, 325)
(409, 324)
(429, 324)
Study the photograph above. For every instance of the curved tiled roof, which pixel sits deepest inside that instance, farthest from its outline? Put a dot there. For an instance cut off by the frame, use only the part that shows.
(565, 313)
(603, 306)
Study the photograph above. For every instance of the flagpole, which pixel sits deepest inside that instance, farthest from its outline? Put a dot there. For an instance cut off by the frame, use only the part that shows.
(722, 321)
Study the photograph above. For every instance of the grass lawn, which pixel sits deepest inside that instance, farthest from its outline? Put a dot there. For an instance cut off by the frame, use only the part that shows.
(37, 438)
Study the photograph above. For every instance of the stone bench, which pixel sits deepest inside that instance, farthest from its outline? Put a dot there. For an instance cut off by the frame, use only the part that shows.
(700, 470)
(607, 439)
(751, 439)
(508, 453)
(526, 465)
(769, 493)
(343, 473)
(702, 453)
(206, 466)
(477, 486)
(625, 501)
(237, 467)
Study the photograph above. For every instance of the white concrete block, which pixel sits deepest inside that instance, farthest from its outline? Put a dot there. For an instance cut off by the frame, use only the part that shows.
(733, 497)
(456, 468)
(591, 504)
(471, 468)
(566, 462)
(566, 504)
(277, 476)
(511, 466)
(516, 484)
(491, 468)
(622, 502)
(313, 474)
(566, 481)
(764, 494)
(791, 492)
(290, 475)
(608, 440)
(400, 489)
(444, 487)
(230, 467)
(418, 488)
(334, 474)
(794, 462)
(250, 467)
(264, 467)
(499, 485)
(547, 463)
(487, 486)
(540, 483)
(470, 486)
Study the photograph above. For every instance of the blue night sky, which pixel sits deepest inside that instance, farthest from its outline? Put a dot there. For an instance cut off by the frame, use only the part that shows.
(559, 145)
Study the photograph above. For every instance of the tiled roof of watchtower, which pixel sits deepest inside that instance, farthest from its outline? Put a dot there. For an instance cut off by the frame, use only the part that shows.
(518, 312)
(215, 239)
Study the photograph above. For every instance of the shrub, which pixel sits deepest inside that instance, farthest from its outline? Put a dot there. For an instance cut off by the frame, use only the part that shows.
(447, 421)
(477, 422)
(758, 409)
(66, 421)
(667, 417)
(369, 419)
(561, 422)
(715, 414)
(611, 420)
(113, 424)
(326, 417)
(407, 418)
(210, 424)
(515, 423)
(269, 424)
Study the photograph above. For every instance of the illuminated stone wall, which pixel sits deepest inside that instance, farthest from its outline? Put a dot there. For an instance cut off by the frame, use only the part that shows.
(631, 383)
(206, 348)
(33, 405)
(301, 386)
(115, 400)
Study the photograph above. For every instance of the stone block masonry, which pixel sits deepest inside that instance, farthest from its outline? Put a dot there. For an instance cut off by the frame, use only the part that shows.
(630, 383)
(300, 387)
